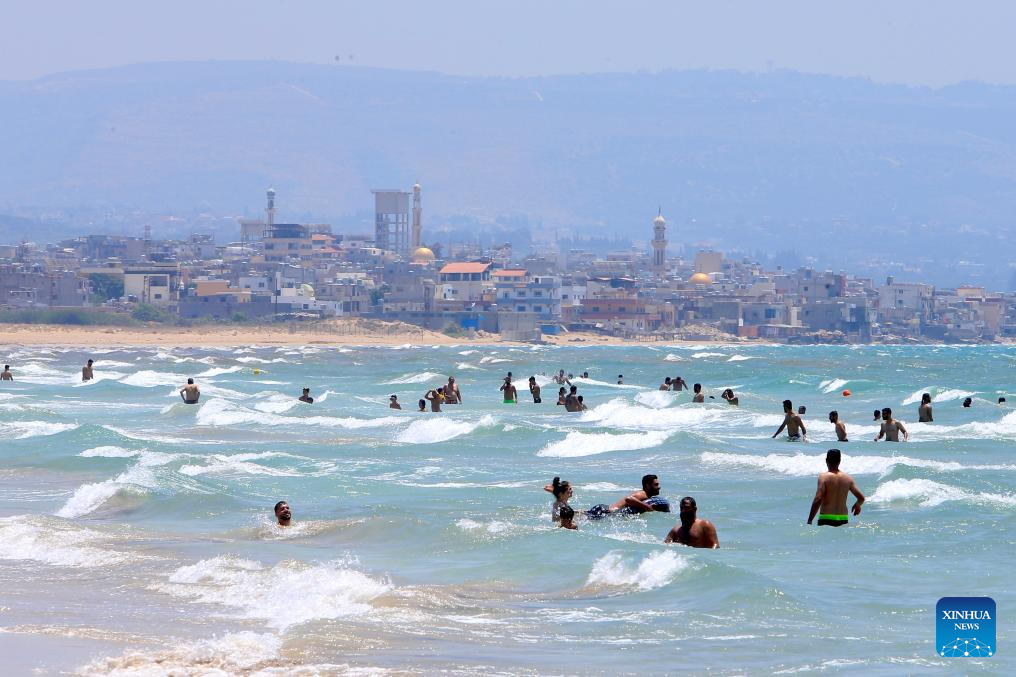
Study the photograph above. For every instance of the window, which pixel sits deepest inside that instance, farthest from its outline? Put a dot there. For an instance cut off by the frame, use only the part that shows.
(521, 309)
(537, 309)
(537, 293)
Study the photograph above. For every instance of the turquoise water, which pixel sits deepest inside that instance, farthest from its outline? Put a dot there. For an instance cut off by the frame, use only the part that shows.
(136, 531)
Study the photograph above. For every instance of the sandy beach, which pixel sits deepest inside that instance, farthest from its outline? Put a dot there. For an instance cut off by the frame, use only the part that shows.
(334, 332)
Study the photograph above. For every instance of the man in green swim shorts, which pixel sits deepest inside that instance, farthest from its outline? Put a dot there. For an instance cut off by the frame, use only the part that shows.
(830, 502)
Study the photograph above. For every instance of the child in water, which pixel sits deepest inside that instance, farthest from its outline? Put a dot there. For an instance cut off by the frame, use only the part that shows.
(567, 518)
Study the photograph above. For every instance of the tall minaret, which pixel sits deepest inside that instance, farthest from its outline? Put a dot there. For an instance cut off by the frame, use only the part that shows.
(417, 217)
(660, 244)
(270, 210)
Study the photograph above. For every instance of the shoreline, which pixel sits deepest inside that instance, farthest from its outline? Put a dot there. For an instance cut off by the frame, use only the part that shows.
(338, 333)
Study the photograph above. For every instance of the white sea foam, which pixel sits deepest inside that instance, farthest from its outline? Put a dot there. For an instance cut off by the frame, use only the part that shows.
(236, 653)
(218, 371)
(928, 493)
(492, 527)
(421, 377)
(655, 570)
(463, 366)
(109, 452)
(88, 498)
(740, 358)
(50, 541)
(803, 465)
(284, 595)
(671, 357)
(832, 385)
(147, 378)
(20, 430)
(432, 429)
(938, 395)
(657, 399)
(589, 444)
(707, 354)
(579, 381)
(261, 360)
(604, 486)
(240, 464)
(468, 352)
(618, 413)
(222, 413)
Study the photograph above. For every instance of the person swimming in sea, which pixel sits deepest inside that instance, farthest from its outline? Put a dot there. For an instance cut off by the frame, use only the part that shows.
(647, 499)
(692, 531)
(305, 397)
(666, 384)
(792, 422)
(423, 405)
(6, 374)
(728, 395)
(87, 373)
(830, 502)
(190, 393)
(924, 413)
(967, 402)
(534, 390)
(435, 397)
(677, 383)
(562, 396)
(510, 394)
(567, 520)
(620, 379)
(878, 416)
(562, 490)
(840, 427)
(393, 402)
(891, 428)
(452, 393)
(283, 515)
(581, 404)
(561, 379)
(698, 397)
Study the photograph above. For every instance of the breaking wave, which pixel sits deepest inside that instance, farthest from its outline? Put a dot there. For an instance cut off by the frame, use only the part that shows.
(589, 444)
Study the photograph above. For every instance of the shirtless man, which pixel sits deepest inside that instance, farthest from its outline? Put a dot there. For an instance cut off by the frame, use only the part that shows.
(677, 383)
(6, 374)
(452, 393)
(792, 422)
(620, 379)
(283, 514)
(841, 428)
(511, 395)
(891, 428)
(693, 532)
(646, 500)
(306, 398)
(924, 411)
(878, 415)
(435, 397)
(393, 402)
(534, 390)
(571, 400)
(666, 384)
(698, 396)
(86, 372)
(190, 393)
(830, 502)
(561, 379)
(729, 396)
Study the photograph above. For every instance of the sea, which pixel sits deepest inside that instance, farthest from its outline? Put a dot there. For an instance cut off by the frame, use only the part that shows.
(137, 533)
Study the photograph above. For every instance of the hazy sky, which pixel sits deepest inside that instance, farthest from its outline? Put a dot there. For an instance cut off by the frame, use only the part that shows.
(911, 41)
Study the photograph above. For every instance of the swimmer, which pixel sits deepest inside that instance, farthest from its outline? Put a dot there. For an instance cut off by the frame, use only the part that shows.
(967, 402)
(693, 532)
(393, 402)
(677, 383)
(1001, 400)
(666, 384)
(306, 396)
(830, 502)
(698, 397)
(728, 395)
(647, 500)
(878, 415)
(534, 390)
(792, 422)
(423, 405)
(6, 374)
(841, 428)
(562, 396)
(580, 402)
(283, 514)
(891, 428)
(802, 410)
(567, 518)
(585, 374)
(561, 379)
(452, 393)
(620, 379)
(86, 371)
(563, 492)
(190, 393)
(571, 402)
(924, 411)
(510, 394)
(435, 397)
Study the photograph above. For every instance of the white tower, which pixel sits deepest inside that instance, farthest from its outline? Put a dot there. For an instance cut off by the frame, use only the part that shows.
(660, 244)
(270, 210)
(417, 218)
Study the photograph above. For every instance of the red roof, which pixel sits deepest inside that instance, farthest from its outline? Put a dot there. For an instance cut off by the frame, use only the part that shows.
(465, 268)
(510, 273)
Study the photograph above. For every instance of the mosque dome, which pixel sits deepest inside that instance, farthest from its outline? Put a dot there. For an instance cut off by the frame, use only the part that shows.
(700, 278)
(423, 255)
(660, 221)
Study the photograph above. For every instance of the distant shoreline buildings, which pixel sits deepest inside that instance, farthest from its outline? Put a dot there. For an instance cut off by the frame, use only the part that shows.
(291, 271)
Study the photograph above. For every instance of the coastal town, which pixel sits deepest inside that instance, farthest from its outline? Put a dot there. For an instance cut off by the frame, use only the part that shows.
(272, 271)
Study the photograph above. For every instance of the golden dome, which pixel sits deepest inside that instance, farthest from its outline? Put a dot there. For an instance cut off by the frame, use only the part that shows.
(700, 278)
(423, 255)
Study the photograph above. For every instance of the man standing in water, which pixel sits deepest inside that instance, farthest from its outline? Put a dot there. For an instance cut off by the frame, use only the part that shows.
(393, 402)
(6, 374)
(678, 384)
(534, 390)
(693, 532)
(86, 372)
(452, 393)
(666, 384)
(306, 398)
(435, 397)
(924, 411)
(841, 428)
(190, 393)
(510, 394)
(792, 422)
(283, 514)
(891, 428)
(646, 500)
(698, 396)
(830, 502)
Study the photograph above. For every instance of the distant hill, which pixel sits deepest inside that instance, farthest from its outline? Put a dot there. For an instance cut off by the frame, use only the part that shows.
(775, 161)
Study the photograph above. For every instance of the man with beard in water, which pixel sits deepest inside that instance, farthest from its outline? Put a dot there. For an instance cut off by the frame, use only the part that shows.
(830, 502)
(283, 514)
(693, 532)
(646, 500)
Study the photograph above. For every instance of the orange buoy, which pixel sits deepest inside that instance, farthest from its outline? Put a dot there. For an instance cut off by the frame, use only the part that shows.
(846, 393)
